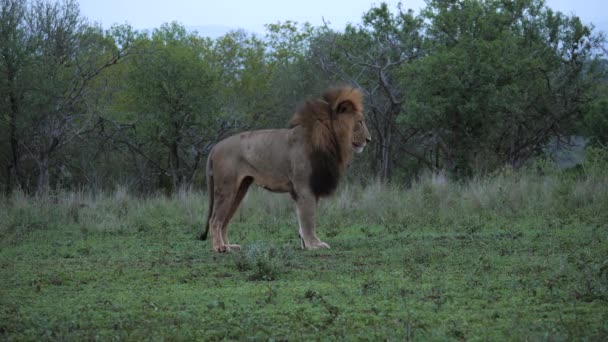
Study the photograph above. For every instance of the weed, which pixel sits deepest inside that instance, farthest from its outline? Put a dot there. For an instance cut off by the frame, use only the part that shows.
(271, 294)
(593, 285)
(369, 286)
(332, 311)
(266, 262)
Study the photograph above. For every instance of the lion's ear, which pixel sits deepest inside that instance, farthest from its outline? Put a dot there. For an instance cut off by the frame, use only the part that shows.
(345, 107)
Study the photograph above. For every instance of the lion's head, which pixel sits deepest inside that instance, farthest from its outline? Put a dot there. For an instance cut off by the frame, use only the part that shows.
(335, 127)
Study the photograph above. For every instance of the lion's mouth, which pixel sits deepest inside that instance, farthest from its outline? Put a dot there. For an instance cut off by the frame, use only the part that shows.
(358, 147)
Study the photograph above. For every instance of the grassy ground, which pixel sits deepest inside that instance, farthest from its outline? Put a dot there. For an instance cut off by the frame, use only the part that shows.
(511, 257)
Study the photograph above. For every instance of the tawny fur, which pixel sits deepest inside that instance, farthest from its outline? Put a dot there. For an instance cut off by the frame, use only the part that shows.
(306, 160)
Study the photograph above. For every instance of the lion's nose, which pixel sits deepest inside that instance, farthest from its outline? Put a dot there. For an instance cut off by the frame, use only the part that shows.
(368, 139)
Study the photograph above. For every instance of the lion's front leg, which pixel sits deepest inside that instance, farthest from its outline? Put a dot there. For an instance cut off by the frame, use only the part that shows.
(306, 208)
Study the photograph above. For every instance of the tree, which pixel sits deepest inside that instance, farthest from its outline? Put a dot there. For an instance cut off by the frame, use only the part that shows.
(244, 93)
(295, 75)
(501, 79)
(167, 106)
(14, 54)
(50, 55)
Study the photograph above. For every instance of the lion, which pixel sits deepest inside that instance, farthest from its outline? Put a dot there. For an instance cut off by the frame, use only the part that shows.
(306, 160)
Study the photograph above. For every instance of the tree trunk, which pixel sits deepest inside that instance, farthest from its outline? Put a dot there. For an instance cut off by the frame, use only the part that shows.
(175, 165)
(386, 154)
(13, 168)
(43, 184)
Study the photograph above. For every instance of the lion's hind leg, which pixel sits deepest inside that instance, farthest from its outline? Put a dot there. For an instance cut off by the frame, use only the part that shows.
(224, 193)
(228, 195)
(216, 236)
(236, 201)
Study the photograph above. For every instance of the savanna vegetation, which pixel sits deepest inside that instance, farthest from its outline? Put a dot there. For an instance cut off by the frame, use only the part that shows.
(455, 223)
(517, 256)
(463, 87)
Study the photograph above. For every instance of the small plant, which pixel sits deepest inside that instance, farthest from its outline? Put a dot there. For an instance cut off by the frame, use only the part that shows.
(265, 261)
(369, 286)
(593, 285)
(265, 269)
(332, 311)
(271, 294)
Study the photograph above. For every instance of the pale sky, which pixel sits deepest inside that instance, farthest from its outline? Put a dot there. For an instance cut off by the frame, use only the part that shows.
(251, 15)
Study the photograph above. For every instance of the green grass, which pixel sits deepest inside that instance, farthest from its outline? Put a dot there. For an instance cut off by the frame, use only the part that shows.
(515, 256)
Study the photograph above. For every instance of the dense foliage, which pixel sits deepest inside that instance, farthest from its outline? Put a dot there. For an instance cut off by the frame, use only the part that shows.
(466, 87)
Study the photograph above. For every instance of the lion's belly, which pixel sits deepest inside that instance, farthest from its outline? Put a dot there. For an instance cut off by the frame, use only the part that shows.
(274, 184)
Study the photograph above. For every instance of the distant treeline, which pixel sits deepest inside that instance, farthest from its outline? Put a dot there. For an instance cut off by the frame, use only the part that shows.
(465, 87)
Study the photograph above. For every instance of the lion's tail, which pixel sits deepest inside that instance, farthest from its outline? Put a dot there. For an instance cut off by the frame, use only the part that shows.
(209, 170)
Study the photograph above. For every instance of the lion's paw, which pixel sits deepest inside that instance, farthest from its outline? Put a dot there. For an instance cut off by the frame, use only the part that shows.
(233, 248)
(317, 245)
(227, 248)
(220, 249)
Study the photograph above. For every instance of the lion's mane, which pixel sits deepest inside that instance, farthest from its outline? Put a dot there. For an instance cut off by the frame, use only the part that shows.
(328, 124)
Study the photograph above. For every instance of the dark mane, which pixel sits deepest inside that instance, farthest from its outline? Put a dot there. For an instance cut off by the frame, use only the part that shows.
(328, 141)
(325, 175)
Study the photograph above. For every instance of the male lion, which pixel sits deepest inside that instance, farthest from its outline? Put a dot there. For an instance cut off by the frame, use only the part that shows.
(307, 160)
